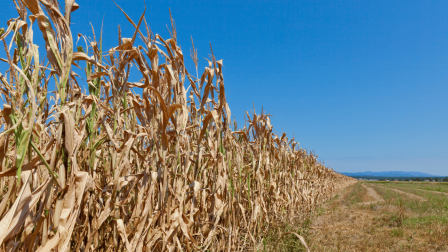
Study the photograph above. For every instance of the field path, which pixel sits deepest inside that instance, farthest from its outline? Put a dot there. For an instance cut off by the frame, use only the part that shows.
(346, 226)
(410, 195)
(444, 193)
(360, 219)
(371, 193)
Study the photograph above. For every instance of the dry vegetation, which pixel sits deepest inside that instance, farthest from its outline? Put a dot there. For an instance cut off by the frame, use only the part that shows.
(106, 169)
(375, 216)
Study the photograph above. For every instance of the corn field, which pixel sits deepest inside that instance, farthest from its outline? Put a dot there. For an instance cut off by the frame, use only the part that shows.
(92, 162)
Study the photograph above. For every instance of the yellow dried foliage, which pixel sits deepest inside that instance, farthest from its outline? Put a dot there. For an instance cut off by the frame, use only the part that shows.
(112, 170)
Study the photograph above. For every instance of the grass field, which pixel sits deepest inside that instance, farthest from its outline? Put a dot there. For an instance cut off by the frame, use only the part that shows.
(427, 186)
(382, 216)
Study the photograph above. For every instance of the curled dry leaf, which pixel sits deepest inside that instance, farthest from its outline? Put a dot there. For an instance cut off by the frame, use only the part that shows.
(108, 164)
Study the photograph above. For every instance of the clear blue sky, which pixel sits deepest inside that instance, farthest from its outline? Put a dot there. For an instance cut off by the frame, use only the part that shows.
(363, 83)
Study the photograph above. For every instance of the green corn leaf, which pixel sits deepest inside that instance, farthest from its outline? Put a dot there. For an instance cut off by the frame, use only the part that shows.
(22, 147)
(53, 175)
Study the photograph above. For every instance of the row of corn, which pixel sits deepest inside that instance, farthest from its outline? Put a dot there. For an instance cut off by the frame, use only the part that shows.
(90, 161)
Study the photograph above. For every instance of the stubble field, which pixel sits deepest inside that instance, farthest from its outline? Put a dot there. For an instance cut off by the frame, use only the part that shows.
(383, 216)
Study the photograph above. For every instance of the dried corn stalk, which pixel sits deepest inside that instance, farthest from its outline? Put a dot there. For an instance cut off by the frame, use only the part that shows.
(111, 170)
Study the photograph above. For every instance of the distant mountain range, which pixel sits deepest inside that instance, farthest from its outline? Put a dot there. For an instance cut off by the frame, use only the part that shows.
(389, 174)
